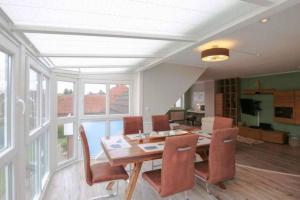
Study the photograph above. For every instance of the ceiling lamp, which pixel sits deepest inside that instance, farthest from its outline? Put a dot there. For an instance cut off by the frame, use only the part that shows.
(215, 54)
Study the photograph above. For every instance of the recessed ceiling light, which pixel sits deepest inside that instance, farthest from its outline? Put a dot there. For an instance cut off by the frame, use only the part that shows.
(264, 20)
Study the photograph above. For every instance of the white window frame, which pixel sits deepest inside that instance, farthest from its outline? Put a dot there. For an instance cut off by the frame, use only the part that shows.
(9, 157)
(107, 117)
(107, 107)
(34, 136)
(47, 101)
(72, 119)
(35, 133)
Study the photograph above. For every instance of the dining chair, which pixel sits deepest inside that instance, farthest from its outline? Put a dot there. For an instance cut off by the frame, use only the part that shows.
(213, 123)
(221, 161)
(160, 123)
(177, 172)
(222, 122)
(132, 125)
(100, 172)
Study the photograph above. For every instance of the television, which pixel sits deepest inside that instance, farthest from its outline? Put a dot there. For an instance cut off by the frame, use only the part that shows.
(250, 106)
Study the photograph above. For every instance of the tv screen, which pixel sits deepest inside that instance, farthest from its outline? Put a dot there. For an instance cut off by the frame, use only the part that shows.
(248, 106)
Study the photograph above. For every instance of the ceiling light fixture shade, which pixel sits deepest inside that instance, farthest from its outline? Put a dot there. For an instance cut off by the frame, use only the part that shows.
(215, 54)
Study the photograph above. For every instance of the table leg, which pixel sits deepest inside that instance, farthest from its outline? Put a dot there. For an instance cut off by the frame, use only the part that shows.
(133, 179)
(203, 154)
(110, 185)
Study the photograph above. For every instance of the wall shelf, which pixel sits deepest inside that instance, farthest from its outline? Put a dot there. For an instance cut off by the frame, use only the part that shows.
(227, 100)
(259, 91)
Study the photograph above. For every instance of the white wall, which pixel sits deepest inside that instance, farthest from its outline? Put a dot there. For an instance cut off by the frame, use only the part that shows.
(163, 85)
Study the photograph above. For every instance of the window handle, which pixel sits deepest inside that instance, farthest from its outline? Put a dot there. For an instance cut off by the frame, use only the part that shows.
(23, 105)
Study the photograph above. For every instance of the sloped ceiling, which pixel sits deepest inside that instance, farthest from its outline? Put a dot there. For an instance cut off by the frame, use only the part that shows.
(258, 48)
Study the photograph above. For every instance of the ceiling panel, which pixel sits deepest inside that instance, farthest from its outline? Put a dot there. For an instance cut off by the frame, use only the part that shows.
(90, 62)
(174, 17)
(182, 18)
(85, 45)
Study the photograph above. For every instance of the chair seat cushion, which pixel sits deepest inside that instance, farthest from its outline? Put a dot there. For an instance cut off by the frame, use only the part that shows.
(102, 172)
(201, 169)
(153, 178)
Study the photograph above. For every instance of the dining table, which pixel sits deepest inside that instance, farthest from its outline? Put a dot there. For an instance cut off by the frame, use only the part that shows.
(137, 148)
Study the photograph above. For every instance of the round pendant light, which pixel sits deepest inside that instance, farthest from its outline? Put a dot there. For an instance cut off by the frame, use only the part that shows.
(215, 54)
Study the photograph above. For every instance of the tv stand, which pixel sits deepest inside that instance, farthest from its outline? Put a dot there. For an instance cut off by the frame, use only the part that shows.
(254, 132)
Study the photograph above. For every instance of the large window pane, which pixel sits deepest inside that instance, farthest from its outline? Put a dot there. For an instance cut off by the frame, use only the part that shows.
(65, 142)
(34, 99)
(116, 127)
(119, 99)
(5, 183)
(94, 131)
(44, 152)
(65, 99)
(45, 99)
(94, 99)
(4, 101)
(31, 171)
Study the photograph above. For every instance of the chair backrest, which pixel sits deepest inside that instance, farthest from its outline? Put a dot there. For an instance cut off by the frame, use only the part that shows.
(86, 156)
(222, 155)
(213, 123)
(160, 123)
(222, 122)
(178, 164)
(132, 125)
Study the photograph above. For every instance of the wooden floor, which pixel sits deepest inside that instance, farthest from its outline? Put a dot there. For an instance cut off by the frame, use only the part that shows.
(275, 157)
(250, 183)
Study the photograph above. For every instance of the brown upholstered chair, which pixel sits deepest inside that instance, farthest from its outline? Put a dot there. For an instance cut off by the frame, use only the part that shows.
(133, 125)
(160, 123)
(221, 162)
(99, 172)
(177, 173)
(213, 123)
(222, 122)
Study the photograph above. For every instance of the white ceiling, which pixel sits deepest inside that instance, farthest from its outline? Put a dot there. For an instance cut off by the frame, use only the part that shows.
(140, 31)
(258, 48)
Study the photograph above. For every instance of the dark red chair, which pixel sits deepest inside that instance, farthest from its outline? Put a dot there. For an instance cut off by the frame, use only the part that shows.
(99, 172)
(160, 123)
(177, 173)
(221, 161)
(132, 125)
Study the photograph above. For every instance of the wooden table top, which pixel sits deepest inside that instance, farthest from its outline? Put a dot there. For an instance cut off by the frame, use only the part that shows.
(123, 156)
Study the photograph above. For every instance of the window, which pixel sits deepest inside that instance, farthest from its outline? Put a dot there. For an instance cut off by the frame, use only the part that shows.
(5, 183)
(65, 99)
(45, 99)
(115, 127)
(119, 99)
(94, 99)
(44, 158)
(65, 141)
(94, 131)
(179, 103)
(4, 101)
(31, 172)
(34, 100)
(37, 166)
